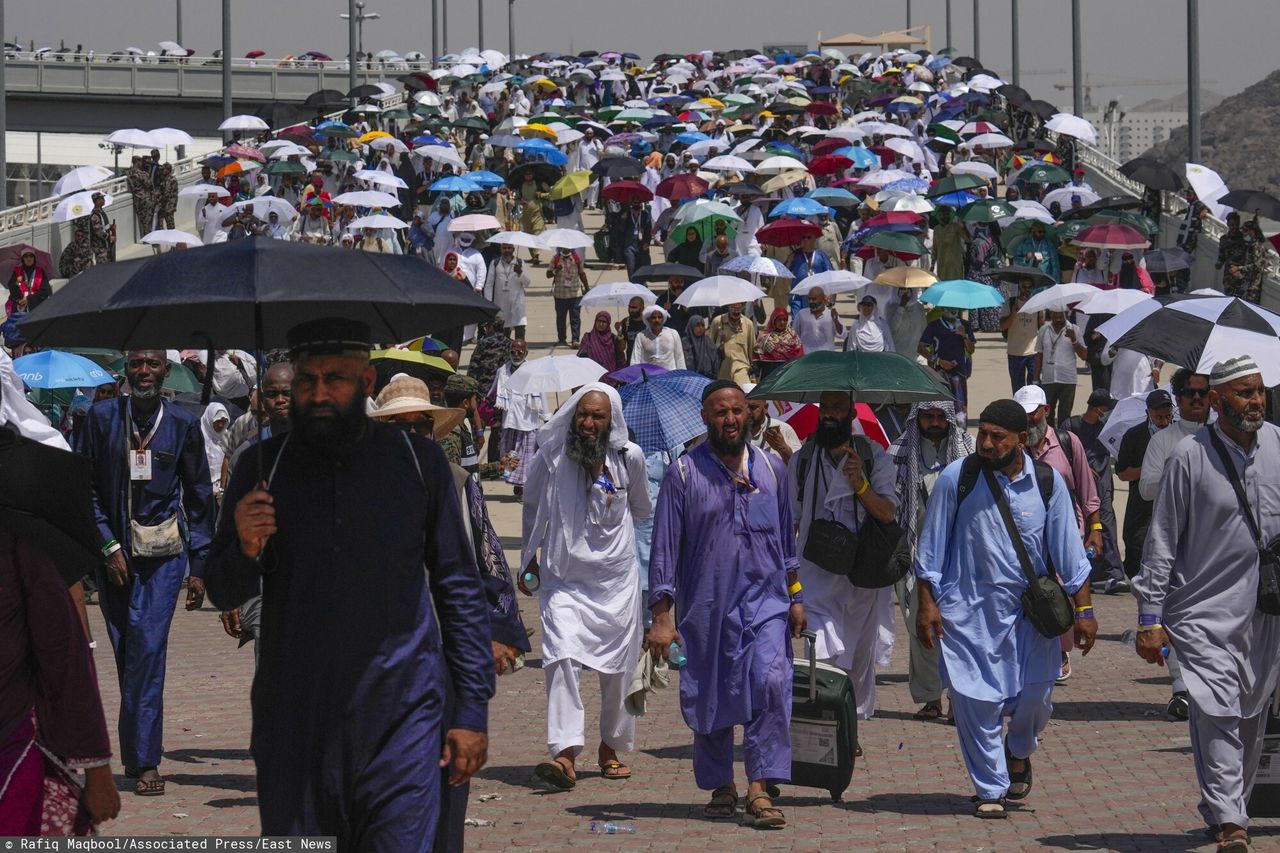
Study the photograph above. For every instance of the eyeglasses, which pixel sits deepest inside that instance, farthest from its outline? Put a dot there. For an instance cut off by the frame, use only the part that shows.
(427, 426)
(1194, 392)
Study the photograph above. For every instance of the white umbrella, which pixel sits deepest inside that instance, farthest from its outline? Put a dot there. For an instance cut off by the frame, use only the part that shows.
(203, 190)
(1062, 195)
(243, 122)
(975, 167)
(441, 154)
(385, 179)
(904, 201)
(1073, 125)
(757, 265)
(779, 164)
(990, 140)
(906, 147)
(728, 163)
(1112, 301)
(1058, 297)
(384, 142)
(171, 237)
(131, 137)
(718, 290)
(81, 178)
(1209, 187)
(170, 136)
(377, 220)
(172, 47)
(474, 222)
(831, 282)
(554, 373)
(515, 238)
(1126, 414)
(76, 206)
(367, 198)
(984, 83)
(563, 238)
(618, 293)
(1027, 209)
(264, 205)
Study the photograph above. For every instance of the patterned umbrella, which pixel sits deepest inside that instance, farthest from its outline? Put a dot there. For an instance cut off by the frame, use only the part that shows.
(664, 411)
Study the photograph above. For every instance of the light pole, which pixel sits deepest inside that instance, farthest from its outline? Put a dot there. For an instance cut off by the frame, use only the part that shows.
(511, 27)
(226, 62)
(948, 44)
(1013, 21)
(444, 25)
(1193, 81)
(1077, 66)
(353, 48)
(179, 38)
(480, 14)
(357, 15)
(435, 29)
(908, 14)
(977, 30)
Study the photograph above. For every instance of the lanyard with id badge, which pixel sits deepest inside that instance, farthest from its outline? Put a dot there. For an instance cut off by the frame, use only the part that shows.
(147, 540)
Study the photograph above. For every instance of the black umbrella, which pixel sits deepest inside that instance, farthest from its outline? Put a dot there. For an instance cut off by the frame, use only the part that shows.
(278, 114)
(543, 173)
(1152, 173)
(1043, 109)
(1038, 277)
(1015, 95)
(249, 293)
(662, 272)
(415, 82)
(325, 98)
(365, 90)
(1166, 260)
(617, 167)
(1257, 202)
(1111, 202)
(966, 62)
(742, 188)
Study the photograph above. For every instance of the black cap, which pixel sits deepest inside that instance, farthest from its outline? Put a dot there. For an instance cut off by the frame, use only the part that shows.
(1101, 399)
(719, 385)
(1007, 414)
(329, 336)
(1159, 399)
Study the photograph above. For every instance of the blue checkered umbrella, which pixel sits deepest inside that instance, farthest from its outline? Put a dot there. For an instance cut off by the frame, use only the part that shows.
(664, 411)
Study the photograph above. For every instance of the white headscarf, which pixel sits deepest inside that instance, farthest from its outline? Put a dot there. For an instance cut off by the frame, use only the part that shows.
(556, 431)
(214, 449)
(20, 413)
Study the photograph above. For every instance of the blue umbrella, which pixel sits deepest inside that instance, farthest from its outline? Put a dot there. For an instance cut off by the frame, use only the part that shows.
(485, 178)
(798, 207)
(907, 185)
(957, 199)
(428, 139)
(784, 148)
(56, 369)
(962, 293)
(691, 136)
(660, 120)
(659, 411)
(636, 372)
(455, 184)
(833, 196)
(861, 157)
(536, 146)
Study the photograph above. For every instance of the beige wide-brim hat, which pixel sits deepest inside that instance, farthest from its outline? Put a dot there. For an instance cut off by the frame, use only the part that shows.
(404, 394)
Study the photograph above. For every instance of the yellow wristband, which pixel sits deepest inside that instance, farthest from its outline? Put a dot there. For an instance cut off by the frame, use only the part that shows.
(1097, 525)
(1156, 627)
(865, 485)
(1083, 609)
(794, 588)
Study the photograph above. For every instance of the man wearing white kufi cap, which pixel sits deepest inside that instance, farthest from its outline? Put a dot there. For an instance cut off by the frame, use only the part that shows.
(1204, 584)
(657, 344)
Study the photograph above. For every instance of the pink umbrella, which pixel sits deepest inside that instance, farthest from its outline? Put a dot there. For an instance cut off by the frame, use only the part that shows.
(1111, 236)
(244, 152)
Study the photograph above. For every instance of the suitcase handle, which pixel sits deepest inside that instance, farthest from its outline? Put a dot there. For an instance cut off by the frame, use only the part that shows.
(811, 648)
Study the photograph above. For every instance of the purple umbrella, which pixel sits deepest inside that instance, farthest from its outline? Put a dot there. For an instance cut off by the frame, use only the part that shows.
(635, 372)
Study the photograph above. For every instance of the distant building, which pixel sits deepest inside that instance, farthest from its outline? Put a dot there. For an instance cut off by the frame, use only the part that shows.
(1135, 132)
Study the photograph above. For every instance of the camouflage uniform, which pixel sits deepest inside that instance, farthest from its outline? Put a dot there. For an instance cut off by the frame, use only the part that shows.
(1238, 257)
(100, 236)
(77, 257)
(167, 195)
(144, 199)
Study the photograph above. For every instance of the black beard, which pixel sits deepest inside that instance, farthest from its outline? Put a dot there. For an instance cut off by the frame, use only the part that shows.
(587, 452)
(1238, 420)
(1000, 462)
(334, 435)
(727, 447)
(830, 435)
(935, 434)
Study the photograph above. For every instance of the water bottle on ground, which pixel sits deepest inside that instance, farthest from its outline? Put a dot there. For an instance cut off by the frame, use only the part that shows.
(611, 828)
(1130, 639)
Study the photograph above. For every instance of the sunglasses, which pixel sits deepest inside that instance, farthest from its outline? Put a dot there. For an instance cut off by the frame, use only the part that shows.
(1195, 392)
(426, 427)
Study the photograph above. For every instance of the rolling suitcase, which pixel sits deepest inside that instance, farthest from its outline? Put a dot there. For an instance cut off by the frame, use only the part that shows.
(824, 725)
(1265, 799)
(604, 252)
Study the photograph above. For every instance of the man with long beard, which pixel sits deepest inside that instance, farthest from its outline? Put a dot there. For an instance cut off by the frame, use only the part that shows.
(1199, 591)
(724, 556)
(587, 489)
(840, 477)
(350, 721)
(970, 580)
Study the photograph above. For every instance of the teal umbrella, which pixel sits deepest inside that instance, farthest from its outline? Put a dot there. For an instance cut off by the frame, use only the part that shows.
(871, 377)
(895, 241)
(962, 293)
(986, 210)
(956, 183)
(1044, 173)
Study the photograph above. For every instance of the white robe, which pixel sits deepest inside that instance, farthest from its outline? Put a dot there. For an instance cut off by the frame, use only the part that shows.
(504, 288)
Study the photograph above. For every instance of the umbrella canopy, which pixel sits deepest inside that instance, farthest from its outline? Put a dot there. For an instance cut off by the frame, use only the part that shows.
(1152, 173)
(832, 282)
(243, 122)
(1198, 332)
(719, 290)
(1111, 236)
(367, 198)
(1166, 260)
(515, 238)
(1111, 301)
(664, 271)
(377, 220)
(1059, 297)
(956, 183)
(11, 257)
(222, 292)
(787, 232)
(871, 377)
(171, 237)
(616, 167)
(54, 369)
(543, 173)
(564, 238)
(627, 192)
(635, 372)
(1044, 173)
(962, 293)
(907, 277)
(554, 373)
(81, 178)
(1039, 278)
(898, 243)
(756, 265)
(802, 206)
(1073, 125)
(618, 293)
(76, 206)
(474, 222)
(682, 186)
(414, 362)
(571, 184)
(986, 210)
(661, 411)
(1256, 202)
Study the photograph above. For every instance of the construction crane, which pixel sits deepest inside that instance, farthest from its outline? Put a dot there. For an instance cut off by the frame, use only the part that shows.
(1119, 83)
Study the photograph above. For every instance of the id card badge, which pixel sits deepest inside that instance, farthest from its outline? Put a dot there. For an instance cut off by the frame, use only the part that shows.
(139, 465)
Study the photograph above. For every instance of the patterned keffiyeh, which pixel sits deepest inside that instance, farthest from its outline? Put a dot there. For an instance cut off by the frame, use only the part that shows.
(905, 452)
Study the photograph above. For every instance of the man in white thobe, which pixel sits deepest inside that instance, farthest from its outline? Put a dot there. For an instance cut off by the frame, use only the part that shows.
(829, 479)
(819, 327)
(589, 151)
(506, 285)
(1198, 590)
(658, 344)
(587, 487)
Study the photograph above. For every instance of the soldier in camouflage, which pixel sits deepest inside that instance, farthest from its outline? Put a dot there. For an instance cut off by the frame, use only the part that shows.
(167, 195)
(138, 180)
(77, 257)
(1238, 260)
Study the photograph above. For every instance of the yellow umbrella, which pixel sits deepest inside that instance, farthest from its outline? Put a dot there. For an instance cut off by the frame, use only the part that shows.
(539, 130)
(546, 85)
(711, 102)
(570, 185)
(910, 277)
(434, 362)
(907, 99)
(372, 135)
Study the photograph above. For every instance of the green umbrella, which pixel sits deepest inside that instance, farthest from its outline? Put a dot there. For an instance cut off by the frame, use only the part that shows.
(955, 184)
(941, 131)
(399, 115)
(986, 210)
(1124, 217)
(1020, 229)
(284, 167)
(338, 154)
(1044, 173)
(872, 377)
(471, 123)
(895, 241)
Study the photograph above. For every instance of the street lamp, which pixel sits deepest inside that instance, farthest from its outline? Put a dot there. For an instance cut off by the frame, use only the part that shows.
(359, 16)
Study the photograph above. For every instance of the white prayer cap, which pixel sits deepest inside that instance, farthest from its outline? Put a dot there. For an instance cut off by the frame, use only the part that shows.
(652, 309)
(1232, 369)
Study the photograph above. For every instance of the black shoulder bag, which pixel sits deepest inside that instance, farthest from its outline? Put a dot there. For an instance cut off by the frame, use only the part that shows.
(1044, 601)
(1268, 552)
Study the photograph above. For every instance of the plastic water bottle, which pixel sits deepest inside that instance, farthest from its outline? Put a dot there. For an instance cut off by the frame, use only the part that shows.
(530, 580)
(677, 657)
(1130, 639)
(611, 828)
(1091, 552)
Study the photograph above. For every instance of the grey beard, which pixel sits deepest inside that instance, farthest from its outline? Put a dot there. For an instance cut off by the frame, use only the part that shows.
(1036, 434)
(587, 452)
(149, 394)
(1239, 421)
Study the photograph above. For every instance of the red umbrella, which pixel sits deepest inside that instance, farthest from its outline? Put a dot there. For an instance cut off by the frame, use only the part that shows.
(887, 155)
(1111, 236)
(683, 186)
(826, 146)
(803, 418)
(787, 231)
(894, 217)
(11, 257)
(298, 133)
(627, 192)
(821, 108)
(829, 164)
(254, 54)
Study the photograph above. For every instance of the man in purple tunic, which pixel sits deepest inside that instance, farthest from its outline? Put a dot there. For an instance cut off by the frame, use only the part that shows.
(724, 553)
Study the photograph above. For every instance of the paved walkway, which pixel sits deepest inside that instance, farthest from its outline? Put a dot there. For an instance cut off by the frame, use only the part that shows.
(1112, 774)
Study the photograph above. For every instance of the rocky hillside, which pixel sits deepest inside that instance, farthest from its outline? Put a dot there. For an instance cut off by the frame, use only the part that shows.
(1236, 138)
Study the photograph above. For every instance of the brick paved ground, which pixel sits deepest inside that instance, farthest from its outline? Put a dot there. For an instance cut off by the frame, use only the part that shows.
(910, 792)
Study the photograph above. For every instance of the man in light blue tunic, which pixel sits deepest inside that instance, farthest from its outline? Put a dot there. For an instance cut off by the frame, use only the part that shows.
(724, 554)
(1198, 591)
(970, 586)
